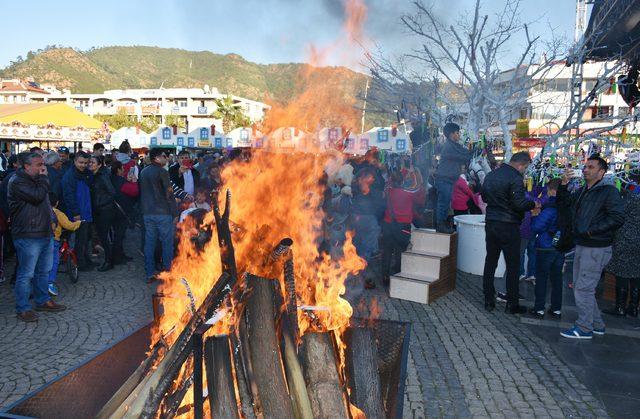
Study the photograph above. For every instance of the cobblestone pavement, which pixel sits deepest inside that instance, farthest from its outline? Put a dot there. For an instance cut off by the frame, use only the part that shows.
(103, 308)
(465, 362)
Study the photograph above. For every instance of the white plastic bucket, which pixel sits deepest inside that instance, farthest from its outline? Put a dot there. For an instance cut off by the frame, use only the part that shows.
(471, 245)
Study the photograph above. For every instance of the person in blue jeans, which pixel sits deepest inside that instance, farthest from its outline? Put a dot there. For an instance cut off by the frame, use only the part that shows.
(158, 208)
(453, 156)
(367, 205)
(31, 216)
(549, 260)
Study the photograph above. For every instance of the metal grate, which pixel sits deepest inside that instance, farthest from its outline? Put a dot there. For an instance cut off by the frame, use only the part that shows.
(83, 391)
(392, 339)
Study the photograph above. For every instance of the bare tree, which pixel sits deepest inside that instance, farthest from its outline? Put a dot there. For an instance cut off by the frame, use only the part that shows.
(469, 55)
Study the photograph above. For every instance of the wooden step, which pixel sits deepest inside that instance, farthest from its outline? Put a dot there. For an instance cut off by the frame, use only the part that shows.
(427, 274)
(421, 264)
(421, 291)
(416, 277)
(428, 241)
(409, 289)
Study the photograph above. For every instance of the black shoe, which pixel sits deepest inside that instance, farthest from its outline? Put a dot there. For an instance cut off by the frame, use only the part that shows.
(515, 309)
(489, 306)
(615, 311)
(621, 300)
(632, 309)
(501, 297)
(555, 314)
(105, 267)
(538, 314)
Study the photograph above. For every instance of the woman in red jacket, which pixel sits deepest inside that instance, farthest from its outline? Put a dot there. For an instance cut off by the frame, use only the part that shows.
(462, 193)
(396, 228)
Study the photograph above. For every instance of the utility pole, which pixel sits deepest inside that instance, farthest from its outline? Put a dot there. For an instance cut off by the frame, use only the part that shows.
(581, 19)
(364, 105)
(578, 57)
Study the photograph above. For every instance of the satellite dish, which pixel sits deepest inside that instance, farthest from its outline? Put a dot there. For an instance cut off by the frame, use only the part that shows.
(206, 88)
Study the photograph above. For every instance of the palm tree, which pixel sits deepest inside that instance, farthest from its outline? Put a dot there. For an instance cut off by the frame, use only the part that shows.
(230, 113)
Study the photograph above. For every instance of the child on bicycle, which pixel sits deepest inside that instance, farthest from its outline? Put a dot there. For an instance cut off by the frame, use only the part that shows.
(61, 221)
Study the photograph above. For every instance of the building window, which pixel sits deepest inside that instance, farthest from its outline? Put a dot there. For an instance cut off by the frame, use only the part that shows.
(182, 103)
(623, 112)
(589, 84)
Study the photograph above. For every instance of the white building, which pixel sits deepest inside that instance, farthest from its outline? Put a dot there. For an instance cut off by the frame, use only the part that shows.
(193, 105)
(548, 103)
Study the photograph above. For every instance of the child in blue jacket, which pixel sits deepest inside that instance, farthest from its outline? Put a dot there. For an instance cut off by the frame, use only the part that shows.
(549, 260)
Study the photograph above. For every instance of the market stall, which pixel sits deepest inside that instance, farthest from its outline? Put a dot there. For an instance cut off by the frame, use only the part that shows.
(47, 123)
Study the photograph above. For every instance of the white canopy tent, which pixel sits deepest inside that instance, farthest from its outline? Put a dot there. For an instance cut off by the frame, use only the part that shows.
(136, 137)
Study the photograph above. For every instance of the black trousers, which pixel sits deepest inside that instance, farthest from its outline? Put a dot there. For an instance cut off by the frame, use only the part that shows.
(82, 244)
(103, 220)
(395, 239)
(119, 230)
(505, 238)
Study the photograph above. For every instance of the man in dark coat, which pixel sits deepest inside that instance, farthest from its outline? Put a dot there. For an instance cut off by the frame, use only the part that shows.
(158, 210)
(503, 191)
(76, 195)
(598, 212)
(625, 263)
(184, 178)
(54, 172)
(28, 196)
(453, 156)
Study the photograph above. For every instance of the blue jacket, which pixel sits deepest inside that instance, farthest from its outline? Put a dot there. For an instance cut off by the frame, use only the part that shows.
(76, 194)
(55, 181)
(545, 225)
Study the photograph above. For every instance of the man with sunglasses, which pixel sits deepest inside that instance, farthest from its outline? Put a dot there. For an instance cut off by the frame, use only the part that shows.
(158, 209)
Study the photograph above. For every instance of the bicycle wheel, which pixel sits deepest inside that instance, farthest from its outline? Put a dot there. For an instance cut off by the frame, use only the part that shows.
(72, 269)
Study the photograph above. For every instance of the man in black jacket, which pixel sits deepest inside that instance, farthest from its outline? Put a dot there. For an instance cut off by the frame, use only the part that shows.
(598, 211)
(158, 206)
(452, 157)
(31, 214)
(184, 178)
(504, 193)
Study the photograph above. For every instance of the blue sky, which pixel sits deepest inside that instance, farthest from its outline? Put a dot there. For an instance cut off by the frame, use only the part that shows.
(265, 31)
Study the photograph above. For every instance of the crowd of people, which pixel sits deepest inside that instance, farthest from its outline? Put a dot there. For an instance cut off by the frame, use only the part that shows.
(583, 228)
(46, 195)
(564, 227)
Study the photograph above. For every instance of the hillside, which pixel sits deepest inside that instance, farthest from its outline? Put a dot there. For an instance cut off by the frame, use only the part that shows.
(105, 68)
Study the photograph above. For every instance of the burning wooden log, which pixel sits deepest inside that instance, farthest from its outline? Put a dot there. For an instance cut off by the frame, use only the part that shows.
(220, 381)
(145, 399)
(172, 402)
(321, 376)
(295, 379)
(248, 377)
(264, 349)
(289, 328)
(138, 375)
(362, 371)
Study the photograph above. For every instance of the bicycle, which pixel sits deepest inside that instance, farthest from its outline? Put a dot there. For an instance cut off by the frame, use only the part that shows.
(68, 257)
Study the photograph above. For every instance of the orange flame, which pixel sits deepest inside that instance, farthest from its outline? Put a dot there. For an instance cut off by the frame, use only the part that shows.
(319, 102)
(278, 196)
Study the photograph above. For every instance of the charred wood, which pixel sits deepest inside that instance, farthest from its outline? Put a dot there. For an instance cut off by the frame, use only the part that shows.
(321, 376)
